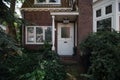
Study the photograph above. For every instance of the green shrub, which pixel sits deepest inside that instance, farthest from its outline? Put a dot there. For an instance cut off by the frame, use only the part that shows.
(37, 74)
(7, 43)
(49, 62)
(8, 47)
(54, 70)
(39, 65)
(104, 48)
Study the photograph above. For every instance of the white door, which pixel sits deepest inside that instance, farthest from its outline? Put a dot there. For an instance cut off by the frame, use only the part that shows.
(65, 39)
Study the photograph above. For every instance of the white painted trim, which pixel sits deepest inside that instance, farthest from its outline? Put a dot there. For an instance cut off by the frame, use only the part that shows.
(47, 2)
(117, 15)
(53, 33)
(102, 5)
(64, 13)
(43, 9)
(62, 47)
(34, 42)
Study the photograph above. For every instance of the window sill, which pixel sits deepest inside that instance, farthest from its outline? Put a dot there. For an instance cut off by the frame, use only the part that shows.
(36, 43)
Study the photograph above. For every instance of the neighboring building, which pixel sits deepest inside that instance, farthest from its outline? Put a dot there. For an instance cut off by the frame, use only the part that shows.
(106, 12)
(63, 23)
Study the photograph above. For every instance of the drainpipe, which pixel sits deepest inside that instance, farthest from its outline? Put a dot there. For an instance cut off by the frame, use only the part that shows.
(53, 33)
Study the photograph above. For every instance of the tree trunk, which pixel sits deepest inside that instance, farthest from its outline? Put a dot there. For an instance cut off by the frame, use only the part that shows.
(11, 26)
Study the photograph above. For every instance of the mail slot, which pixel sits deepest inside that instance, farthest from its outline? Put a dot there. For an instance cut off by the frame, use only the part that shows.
(65, 41)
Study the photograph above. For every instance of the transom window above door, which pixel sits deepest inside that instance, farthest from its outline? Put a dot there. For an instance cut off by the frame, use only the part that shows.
(47, 1)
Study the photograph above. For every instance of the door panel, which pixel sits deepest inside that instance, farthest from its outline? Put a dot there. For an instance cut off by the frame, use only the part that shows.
(65, 39)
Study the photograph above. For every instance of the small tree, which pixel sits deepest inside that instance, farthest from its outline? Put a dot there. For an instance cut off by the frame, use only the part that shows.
(7, 14)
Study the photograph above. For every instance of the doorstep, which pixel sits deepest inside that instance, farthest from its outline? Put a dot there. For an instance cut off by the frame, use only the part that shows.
(68, 59)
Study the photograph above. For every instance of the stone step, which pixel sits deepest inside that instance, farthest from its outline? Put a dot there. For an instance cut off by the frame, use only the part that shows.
(68, 59)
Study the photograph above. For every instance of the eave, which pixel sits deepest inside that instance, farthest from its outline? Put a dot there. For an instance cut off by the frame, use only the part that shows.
(46, 9)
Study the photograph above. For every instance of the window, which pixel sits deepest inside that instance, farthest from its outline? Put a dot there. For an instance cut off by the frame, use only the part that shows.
(119, 6)
(38, 34)
(98, 13)
(30, 34)
(65, 32)
(104, 25)
(48, 1)
(108, 9)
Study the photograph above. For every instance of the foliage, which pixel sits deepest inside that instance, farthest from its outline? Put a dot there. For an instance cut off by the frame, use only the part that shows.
(105, 55)
(8, 16)
(7, 44)
(37, 74)
(54, 70)
(50, 64)
(40, 65)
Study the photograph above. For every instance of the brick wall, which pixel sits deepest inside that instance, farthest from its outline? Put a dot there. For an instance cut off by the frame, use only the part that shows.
(84, 19)
(30, 4)
(42, 18)
(37, 18)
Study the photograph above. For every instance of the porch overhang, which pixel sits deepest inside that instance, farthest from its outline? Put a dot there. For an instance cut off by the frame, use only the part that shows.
(60, 16)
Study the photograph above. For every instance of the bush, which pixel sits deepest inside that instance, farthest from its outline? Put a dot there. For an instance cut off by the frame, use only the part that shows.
(39, 65)
(8, 48)
(53, 70)
(7, 43)
(104, 48)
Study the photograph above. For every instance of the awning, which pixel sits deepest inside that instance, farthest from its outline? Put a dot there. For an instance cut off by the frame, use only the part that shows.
(60, 16)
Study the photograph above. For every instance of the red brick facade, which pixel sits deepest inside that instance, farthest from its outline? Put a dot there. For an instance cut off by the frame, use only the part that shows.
(35, 18)
(43, 18)
(84, 19)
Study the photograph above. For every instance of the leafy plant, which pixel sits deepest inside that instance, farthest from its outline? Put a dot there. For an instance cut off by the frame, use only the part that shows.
(37, 74)
(39, 65)
(105, 55)
(53, 70)
(7, 43)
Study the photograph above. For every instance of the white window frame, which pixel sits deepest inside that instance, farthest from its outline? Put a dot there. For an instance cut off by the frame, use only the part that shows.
(47, 2)
(118, 4)
(103, 19)
(103, 6)
(111, 8)
(34, 42)
(96, 12)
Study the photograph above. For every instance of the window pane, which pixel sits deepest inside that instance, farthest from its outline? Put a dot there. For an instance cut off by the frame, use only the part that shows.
(39, 1)
(109, 9)
(104, 25)
(119, 23)
(39, 34)
(56, 1)
(52, 0)
(119, 6)
(48, 1)
(30, 34)
(48, 34)
(65, 32)
(98, 13)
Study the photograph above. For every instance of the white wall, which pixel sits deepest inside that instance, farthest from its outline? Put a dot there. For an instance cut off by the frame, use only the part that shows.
(114, 15)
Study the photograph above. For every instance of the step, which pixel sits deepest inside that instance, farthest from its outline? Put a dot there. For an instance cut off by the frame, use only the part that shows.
(68, 59)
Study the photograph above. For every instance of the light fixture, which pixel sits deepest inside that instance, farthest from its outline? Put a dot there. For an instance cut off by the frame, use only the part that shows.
(65, 20)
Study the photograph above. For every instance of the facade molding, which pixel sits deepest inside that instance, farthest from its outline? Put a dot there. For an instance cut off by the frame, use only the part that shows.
(64, 13)
(46, 9)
